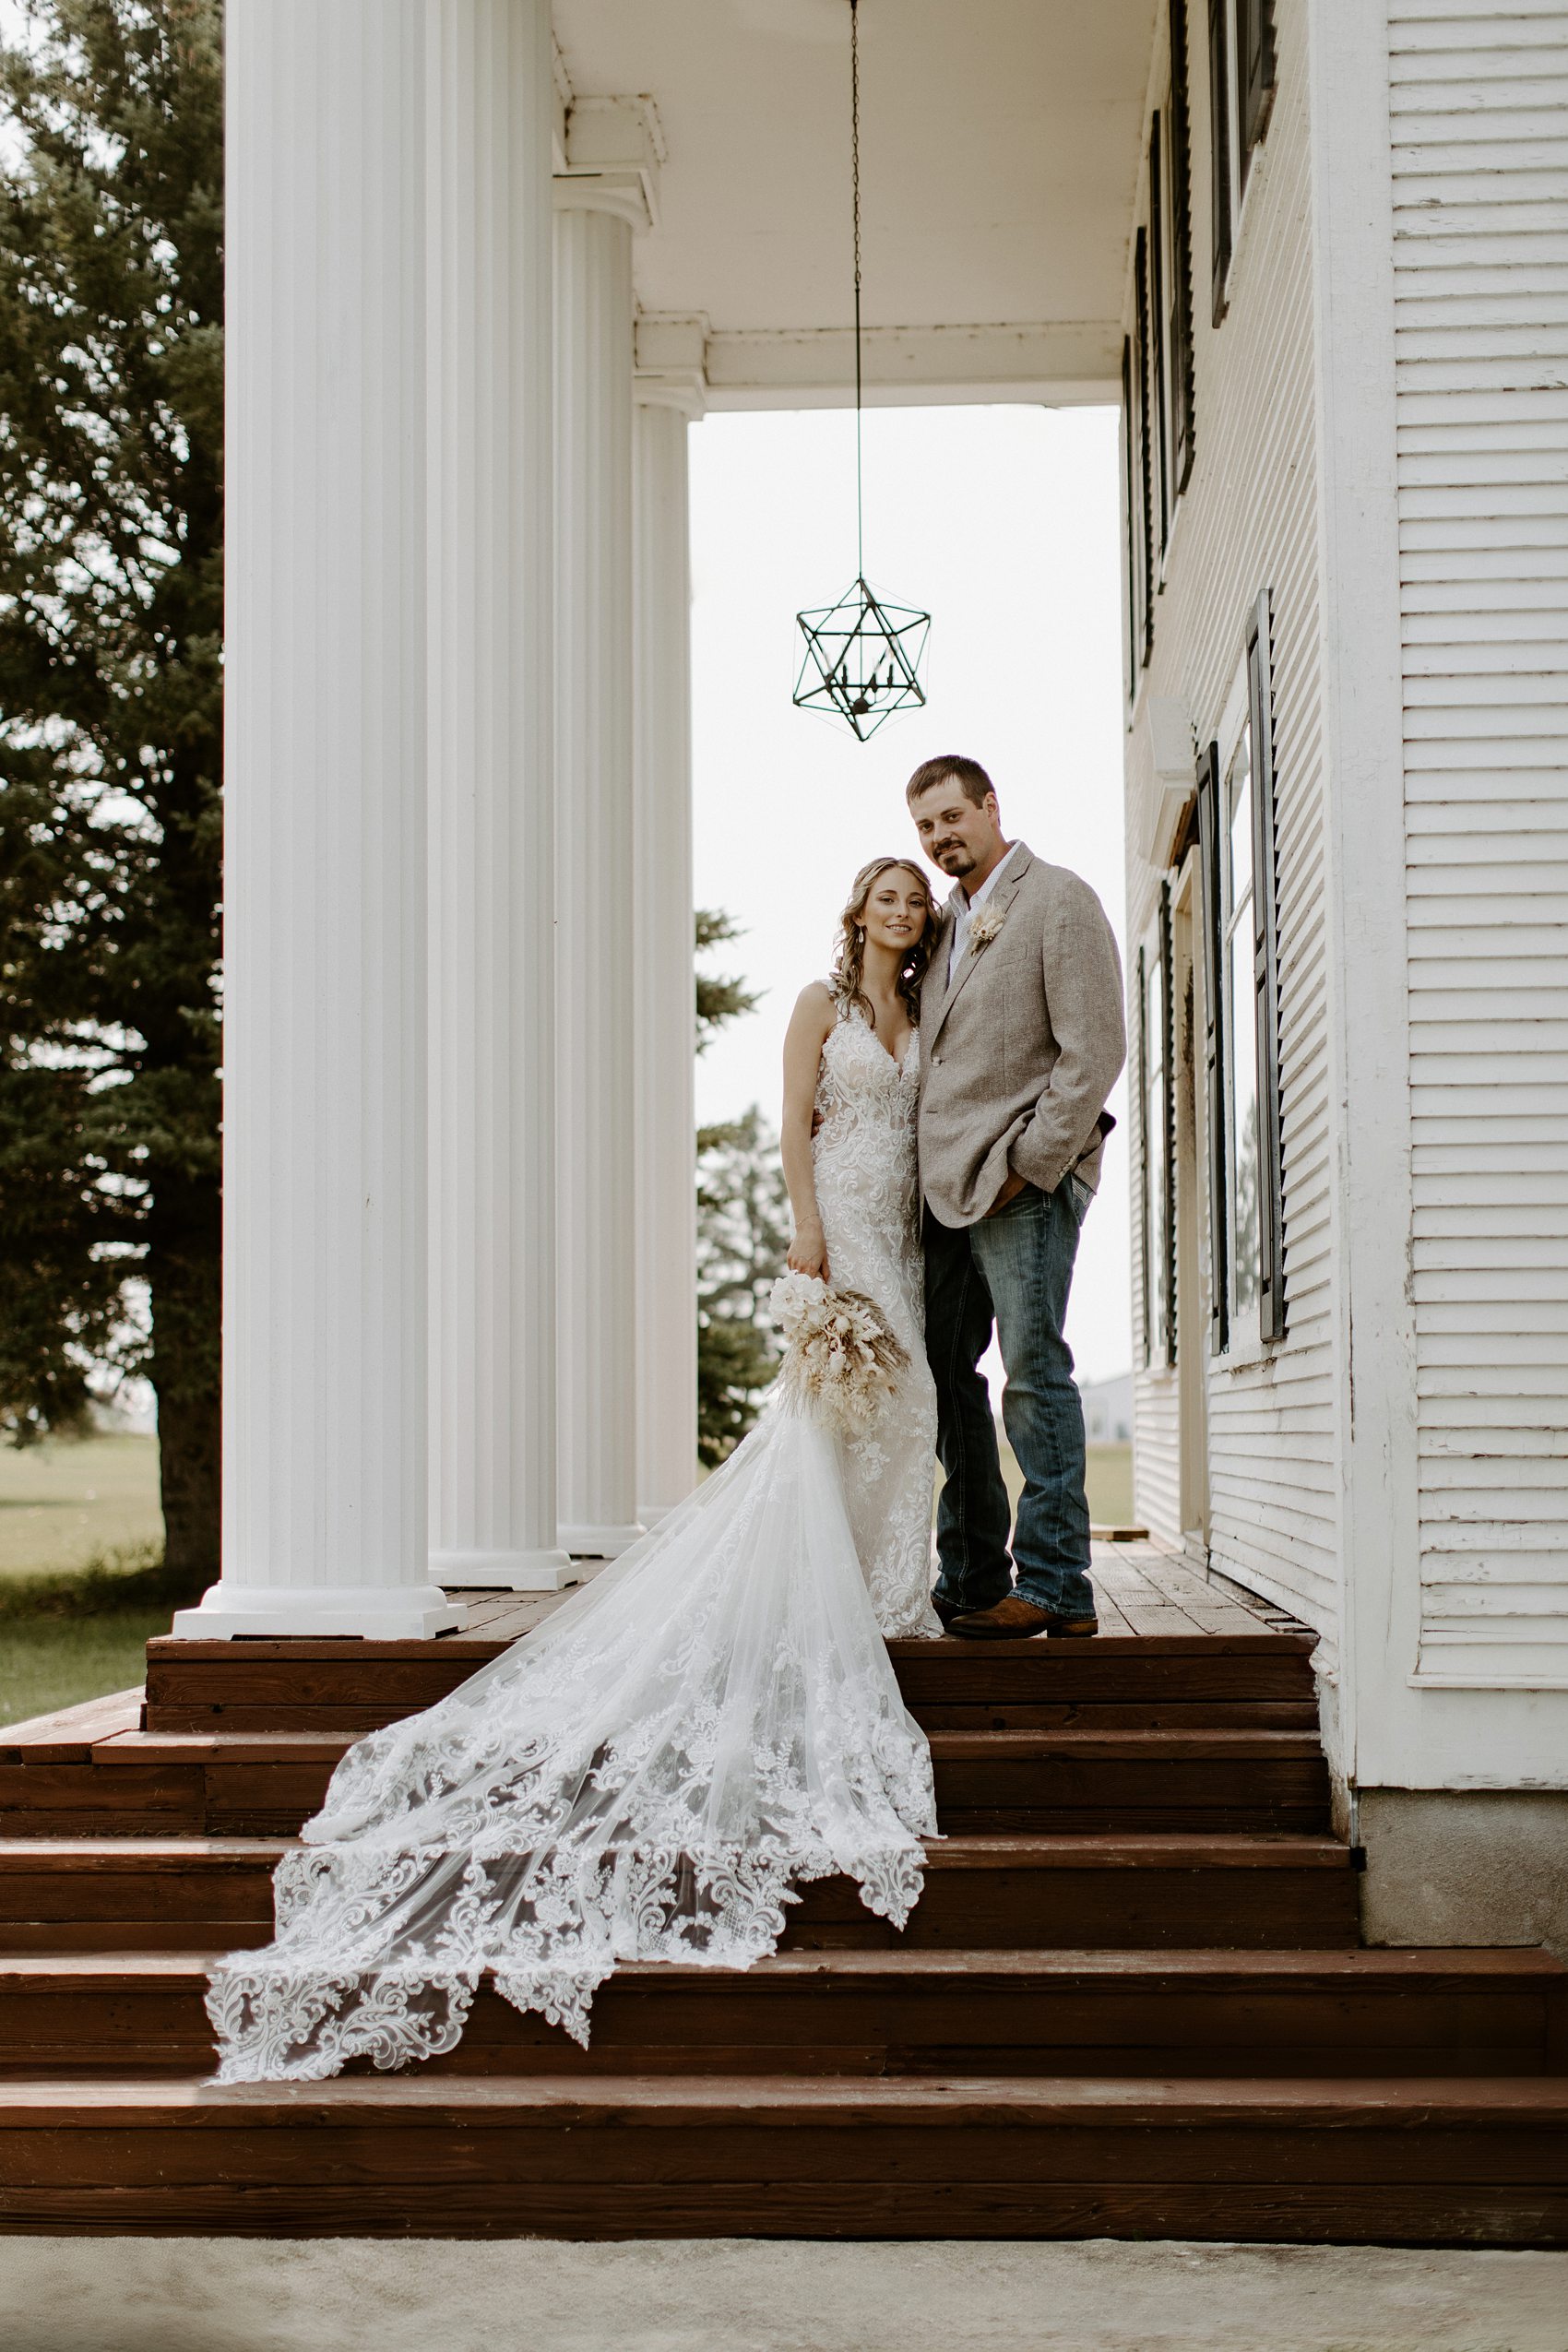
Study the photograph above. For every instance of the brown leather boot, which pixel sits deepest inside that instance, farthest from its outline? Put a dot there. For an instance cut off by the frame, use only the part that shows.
(1014, 1619)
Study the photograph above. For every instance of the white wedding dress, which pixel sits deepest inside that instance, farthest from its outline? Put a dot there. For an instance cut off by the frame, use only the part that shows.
(712, 1720)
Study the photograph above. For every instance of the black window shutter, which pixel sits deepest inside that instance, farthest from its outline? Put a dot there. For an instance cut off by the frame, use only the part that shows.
(1157, 326)
(1145, 1253)
(1146, 485)
(1214, 1050)
(1266, 979)
(1219, 150)
(1167, 1120)
(1181, 254)
(1130, 494)
(1254, 72)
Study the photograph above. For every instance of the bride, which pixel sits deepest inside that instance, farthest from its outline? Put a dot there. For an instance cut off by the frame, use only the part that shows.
(715, 1718)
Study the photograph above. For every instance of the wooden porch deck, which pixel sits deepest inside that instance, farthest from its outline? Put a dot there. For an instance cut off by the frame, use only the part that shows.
(1144, 1592)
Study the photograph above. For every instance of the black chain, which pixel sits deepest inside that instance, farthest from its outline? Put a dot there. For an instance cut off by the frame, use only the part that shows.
(855, 164)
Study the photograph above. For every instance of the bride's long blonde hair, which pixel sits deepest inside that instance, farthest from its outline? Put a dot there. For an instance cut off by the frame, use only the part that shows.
(850, 952)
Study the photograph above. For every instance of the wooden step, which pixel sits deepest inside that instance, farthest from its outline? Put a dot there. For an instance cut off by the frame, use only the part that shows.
(356, 1686)
(1017, 1893)
(1290, 2014)
(1411, 2161)
(269, 1782)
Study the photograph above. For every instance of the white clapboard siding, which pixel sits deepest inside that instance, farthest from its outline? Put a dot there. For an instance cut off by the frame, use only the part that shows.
(1478, 104)
(1246, 523)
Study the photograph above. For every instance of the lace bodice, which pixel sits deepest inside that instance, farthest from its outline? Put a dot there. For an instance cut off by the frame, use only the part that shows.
(867, 1191)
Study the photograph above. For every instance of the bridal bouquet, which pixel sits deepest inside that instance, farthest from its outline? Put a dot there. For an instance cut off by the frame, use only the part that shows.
(839, 1355)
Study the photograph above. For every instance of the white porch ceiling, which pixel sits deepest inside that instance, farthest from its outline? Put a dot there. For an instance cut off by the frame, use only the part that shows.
(1000, 149)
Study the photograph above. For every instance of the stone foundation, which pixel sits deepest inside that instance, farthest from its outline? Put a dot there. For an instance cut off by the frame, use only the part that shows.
(1479, 1866)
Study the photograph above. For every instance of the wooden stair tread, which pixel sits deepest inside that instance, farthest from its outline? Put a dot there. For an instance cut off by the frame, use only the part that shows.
(69, 1735)
(970, 1967)
(136, 1747)
(633, 2100)
(166, 1648)
(1163, 1849)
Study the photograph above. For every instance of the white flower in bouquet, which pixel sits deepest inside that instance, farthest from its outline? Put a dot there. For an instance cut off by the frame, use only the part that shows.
(840, 1358)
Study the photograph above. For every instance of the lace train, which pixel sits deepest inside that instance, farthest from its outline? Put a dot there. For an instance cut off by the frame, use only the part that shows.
(648, 1775)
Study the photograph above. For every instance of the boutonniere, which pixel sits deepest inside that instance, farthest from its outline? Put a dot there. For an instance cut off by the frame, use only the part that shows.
(985, 925)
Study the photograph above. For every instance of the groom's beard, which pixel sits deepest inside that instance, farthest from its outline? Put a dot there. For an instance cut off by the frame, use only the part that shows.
(954, 859)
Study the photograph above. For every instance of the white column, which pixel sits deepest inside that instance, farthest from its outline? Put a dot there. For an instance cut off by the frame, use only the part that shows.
(596, 1000)
(323, 1359)
(664, 1031)
(492, 867)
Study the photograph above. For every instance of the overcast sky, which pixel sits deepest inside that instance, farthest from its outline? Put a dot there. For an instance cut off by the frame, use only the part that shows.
(1002, 524)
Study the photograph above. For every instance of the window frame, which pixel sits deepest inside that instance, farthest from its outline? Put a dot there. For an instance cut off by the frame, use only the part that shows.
(1214, 1056)
(1266, 975)
(1243, 77)
(1235, 1336)
(1146, 483)
(1158, 358)
(1237, 944)
(1157, 1142)
(1179, 214)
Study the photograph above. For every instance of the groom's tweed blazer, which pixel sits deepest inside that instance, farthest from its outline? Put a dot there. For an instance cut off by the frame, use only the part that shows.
(1020, 1050)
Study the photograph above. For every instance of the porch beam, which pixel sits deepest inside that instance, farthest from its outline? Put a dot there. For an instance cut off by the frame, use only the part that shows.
(1060, 365)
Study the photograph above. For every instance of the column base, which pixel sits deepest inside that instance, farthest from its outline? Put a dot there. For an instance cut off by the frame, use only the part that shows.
(598, 1543)
(508, 1571)
(372, 1612)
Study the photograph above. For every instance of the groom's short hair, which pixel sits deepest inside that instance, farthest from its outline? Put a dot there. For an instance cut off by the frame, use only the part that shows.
(951, 767)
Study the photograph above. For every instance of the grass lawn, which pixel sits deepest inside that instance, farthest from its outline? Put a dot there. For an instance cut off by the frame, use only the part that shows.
(47, 1663)
(80, 1589)
(65, 1502)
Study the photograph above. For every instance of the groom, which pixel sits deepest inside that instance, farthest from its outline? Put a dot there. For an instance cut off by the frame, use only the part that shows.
(1021, 1040)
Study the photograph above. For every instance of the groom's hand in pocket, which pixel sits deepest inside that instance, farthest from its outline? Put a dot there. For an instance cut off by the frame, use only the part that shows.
(1013, 1186)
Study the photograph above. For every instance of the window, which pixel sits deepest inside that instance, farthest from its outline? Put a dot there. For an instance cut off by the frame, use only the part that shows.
(1142, 525)
(1157, 358)
(1240, 986)
(1130, 511)
(1158, 377)
(1265, 977)
(1241, 90)
(1242, 1245)
(1158, 1157)
(1210, 869)
(1179, 259)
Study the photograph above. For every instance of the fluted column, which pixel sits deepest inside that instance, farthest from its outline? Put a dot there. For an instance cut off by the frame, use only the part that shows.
(492, 1467)
(596, 1004)
(664, 1031)
(324, 1369)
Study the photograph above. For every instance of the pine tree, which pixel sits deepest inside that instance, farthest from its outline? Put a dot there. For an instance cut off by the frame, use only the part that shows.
(743, 1235)
(110, 619)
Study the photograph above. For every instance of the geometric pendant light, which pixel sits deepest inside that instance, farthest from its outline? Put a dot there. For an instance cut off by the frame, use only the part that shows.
(862, 656)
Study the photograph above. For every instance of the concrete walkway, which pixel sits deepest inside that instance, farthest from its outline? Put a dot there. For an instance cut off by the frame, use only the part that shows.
(228, 2295)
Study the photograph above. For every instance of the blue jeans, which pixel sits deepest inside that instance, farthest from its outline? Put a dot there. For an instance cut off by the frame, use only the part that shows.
(1014, 1269)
